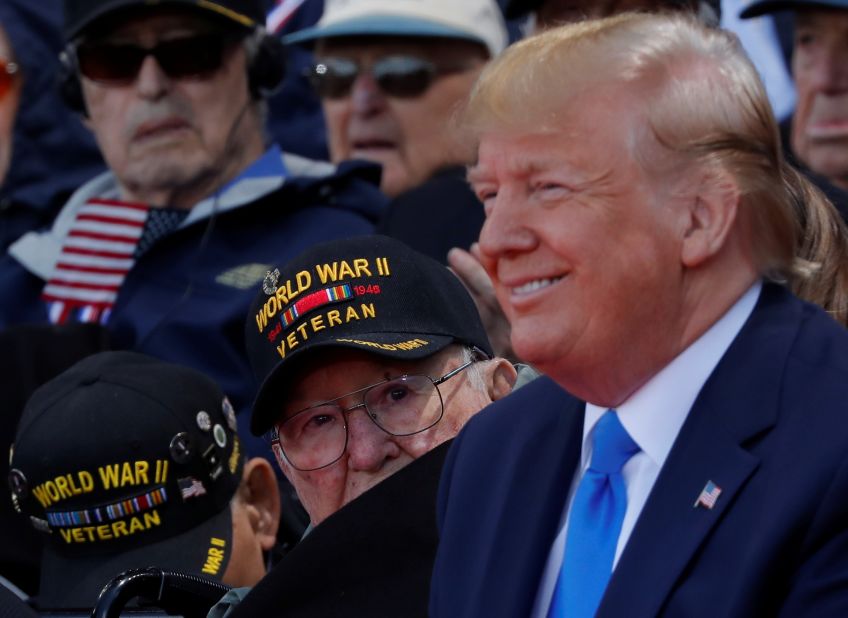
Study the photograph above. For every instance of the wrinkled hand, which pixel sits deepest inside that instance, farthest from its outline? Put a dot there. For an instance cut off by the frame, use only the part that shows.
(467, 267)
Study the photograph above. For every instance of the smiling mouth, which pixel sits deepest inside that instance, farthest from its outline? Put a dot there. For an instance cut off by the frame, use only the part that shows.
(535, 285)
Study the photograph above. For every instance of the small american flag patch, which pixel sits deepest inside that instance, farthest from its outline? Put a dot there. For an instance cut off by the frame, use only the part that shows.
(191, 488)
(709, 495)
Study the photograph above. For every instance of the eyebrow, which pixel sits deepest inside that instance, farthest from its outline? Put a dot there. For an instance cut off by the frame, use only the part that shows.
(520, 166)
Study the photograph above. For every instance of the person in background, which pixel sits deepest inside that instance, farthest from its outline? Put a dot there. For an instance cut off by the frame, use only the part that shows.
(45, 151)
(689, 443)
(165, 248)
(373, 360)
(124, 461)
(391, 75)
(816, 135)
(295, 119)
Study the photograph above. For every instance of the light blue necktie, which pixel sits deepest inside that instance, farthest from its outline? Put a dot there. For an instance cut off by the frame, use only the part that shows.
(594, 523)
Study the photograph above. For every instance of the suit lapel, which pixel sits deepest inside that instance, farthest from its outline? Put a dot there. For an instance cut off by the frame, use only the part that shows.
(671, 527)
(737, 405)
(533, 497)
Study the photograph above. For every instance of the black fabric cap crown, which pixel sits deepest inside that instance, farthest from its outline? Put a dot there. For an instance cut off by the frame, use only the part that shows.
(518, 8)
(124, 461)
(369, 293)
(80, 14)
(763, 7)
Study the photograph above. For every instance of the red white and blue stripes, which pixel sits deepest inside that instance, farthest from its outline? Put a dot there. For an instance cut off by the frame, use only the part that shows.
(316, 299)
(96, 256)
(109, 512)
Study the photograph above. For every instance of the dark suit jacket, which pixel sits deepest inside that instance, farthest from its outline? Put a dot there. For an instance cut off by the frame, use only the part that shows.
(373, 558)
(769, 427)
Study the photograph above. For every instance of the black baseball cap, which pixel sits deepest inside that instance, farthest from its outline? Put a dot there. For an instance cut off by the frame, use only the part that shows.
(81, 14)
(370, 293)
(772, 6)
(518, 8)
(124, 461)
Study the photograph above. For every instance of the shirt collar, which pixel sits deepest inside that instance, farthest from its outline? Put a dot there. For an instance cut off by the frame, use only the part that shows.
(654, 414)
(270, 164)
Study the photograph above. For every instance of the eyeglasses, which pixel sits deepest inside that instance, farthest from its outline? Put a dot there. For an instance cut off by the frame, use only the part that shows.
(119, 63)
(8, 72)
(316, 437)
(396, 76)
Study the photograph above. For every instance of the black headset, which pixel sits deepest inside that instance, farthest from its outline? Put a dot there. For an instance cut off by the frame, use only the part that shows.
(266, 70)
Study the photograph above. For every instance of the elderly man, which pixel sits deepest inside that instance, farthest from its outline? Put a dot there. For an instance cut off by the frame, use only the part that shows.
(637, 205)
(372, 356)
(391, 74)
(818, 129)
(163, 483)
(165, 248)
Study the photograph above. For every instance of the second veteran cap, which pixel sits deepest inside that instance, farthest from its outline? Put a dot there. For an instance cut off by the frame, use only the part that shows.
(124, 461)
(370, 293)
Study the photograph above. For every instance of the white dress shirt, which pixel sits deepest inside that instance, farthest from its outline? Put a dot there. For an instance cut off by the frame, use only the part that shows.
(652, 416)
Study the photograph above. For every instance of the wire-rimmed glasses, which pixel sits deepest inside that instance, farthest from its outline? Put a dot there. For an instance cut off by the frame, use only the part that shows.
(317, 436)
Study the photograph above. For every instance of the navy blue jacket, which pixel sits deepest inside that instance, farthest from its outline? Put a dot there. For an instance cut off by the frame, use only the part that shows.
(186, 299)
(52, 152)
(769, 427)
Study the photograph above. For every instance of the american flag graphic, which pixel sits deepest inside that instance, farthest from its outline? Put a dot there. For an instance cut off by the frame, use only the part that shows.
(95, 258)
(709, 495)
(191, 488)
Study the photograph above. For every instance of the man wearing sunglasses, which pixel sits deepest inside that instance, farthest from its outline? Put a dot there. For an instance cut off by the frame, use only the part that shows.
(391, 74)
(371, 355)
(165, 248)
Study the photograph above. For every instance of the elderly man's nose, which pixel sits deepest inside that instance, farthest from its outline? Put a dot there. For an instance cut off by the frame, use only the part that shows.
(368, 446)
(151, 81)
(829, 73)
(366, 96)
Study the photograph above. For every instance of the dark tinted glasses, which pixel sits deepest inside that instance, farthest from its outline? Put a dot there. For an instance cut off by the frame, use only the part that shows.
(396, 76)
(119, 63)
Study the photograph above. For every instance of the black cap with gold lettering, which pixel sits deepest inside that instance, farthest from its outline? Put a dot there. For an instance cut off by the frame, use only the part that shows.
(124, 461)
(370, 293)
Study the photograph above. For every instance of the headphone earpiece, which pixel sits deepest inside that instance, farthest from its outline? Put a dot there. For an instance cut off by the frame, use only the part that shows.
(267, 68)
(70, 88)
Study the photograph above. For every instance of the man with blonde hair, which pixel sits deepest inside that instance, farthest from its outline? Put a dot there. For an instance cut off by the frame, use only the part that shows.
(638, 213)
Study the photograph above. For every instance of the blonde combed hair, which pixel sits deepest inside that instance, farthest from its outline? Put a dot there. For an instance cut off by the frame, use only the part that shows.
(701, 99)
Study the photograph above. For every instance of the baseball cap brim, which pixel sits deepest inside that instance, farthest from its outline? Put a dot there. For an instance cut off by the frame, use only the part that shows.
(772, 6)
(380, 344)
(379, 25)
(74, 29)
(75, 582)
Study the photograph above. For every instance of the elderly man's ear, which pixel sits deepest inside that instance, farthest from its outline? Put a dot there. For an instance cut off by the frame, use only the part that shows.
(260, 496)
(500, 378)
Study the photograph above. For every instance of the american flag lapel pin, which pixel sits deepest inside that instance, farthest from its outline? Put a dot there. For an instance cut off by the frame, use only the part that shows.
(708, 496)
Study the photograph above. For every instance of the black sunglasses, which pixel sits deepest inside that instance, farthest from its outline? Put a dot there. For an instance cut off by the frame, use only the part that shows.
(119, 63)
(396, 76)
